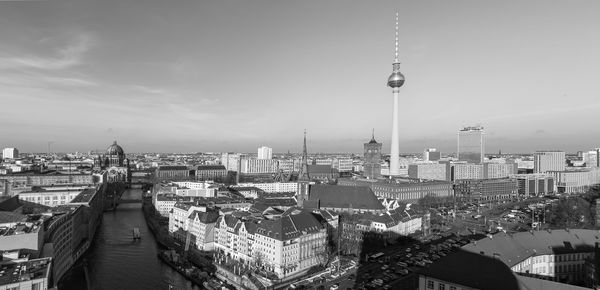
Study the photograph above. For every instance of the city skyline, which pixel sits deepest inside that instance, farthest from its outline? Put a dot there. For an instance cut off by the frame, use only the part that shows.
(158, 77)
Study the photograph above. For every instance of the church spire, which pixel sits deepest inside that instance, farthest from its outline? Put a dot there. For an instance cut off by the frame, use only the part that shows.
(303, 175)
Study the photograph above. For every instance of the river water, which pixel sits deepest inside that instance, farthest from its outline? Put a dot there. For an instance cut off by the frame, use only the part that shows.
(116, 261)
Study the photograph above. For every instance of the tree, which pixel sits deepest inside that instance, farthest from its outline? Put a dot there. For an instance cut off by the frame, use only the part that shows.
(259, 259)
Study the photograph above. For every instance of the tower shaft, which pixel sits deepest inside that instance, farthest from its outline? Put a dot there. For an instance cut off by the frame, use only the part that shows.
(395, 150)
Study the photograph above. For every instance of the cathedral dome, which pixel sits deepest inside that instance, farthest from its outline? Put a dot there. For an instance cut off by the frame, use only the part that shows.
(114, 149)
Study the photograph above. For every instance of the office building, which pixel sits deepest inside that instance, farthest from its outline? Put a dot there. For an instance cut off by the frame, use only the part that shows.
(499, 170)
(575, 180)
(467, 171)
(431, 171)
(471, 146)
(534, 184)
(372, 159)
(395, 81)
(544, 161)
(172, 172)
(10, 153)
(265, 152)
(343, 164)
(232, 161)
(273, 187)
(432, 154)
(591, 158)
(259, 166)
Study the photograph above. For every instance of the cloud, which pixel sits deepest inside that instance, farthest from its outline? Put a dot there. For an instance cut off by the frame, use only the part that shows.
(69, 55)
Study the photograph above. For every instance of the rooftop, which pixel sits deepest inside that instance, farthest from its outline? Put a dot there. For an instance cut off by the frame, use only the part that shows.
(335, 196)
(24, 271)
(85, 196)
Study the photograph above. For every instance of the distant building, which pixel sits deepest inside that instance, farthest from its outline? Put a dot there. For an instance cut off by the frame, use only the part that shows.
(575, 180)
(15, 183)
(408, 191)
(431, 154)
(486, 190)
(471, 147)
(211, 172)
(343, 164)
(322, 172)
(259, 166)
(10, 153)
(372, 159)
(53, 195)
(544, 161)
(591, 158)
(265, 152)
(431, 171)
(534, 184)
(172, 172)
(247, 191)
(273, 187)
(232, 161)
(499, 170)
(467, 171)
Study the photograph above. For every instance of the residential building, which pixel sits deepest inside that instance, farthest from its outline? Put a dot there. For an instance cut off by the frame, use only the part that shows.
(164, 203)
(211, 172)
(197, 222)
(471, 146)
(287, 246)
(557, 255)
(431, 154)
(10, 153)
(172, 172)
(486, 190)
(259, 166)
(265, 152)
(273, 187)
(544, 161)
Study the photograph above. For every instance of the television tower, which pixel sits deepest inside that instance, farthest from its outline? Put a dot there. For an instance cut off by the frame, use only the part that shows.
(395, 81)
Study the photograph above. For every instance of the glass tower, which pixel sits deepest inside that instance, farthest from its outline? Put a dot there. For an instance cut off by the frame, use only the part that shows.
(471, 145)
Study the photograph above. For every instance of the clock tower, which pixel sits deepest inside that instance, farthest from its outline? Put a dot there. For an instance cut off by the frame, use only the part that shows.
(372, 163)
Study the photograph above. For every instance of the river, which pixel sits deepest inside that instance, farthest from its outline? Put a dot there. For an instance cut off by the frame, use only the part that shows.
(116, 261)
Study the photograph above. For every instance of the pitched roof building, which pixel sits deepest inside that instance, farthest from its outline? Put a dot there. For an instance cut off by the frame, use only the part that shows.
(344, 199)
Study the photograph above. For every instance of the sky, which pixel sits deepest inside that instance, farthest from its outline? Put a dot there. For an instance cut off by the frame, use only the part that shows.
(215, 76)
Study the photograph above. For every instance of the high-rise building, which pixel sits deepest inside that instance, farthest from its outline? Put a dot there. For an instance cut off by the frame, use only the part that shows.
(432, 154)
(591, 158)
(372, 163)
(544, 161)
(10, 153)
(471, 144)
(265, 152)
(395, 81)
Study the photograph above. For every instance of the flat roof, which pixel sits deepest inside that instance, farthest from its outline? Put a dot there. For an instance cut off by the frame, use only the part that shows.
(85, 196)
(23, 271)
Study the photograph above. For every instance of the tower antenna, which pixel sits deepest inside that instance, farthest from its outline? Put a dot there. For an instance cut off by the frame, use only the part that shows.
(396, 54)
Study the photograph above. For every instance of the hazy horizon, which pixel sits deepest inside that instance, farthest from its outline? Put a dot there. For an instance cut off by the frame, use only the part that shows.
(185, 76)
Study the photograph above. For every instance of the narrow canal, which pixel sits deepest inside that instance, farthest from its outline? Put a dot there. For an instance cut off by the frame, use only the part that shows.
(116, 261)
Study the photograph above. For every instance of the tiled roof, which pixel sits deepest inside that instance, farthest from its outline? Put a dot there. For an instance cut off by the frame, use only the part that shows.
(207, 217)
(514, 248)
(474, 271)
(317, 169)
(335, 196)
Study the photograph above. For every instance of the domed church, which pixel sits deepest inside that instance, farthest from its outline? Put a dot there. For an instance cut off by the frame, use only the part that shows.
(114, 163)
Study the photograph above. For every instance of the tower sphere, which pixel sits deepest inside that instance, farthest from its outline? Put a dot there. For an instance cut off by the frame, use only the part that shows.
(395, 80)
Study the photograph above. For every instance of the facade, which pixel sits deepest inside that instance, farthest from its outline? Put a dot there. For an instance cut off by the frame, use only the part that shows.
(432, 154)
(499, 170)
(10, 153)
(557, 255)
(189, 188)
(471, 147)
(265, 152)
(172, 172)
(486, 190)
(467, 171)
(534, 184)
(431, 171)
(591, 158)
(196, 221)
(372, 159)
(164, 203)
(211, 172)
(410, 191)
(343, 164)
(52, 195)
(259, 166)
(287, 246)
(232, 161)
(16, 183)
(247, 191)
(575, 180)
(544, 161)
(273, 187)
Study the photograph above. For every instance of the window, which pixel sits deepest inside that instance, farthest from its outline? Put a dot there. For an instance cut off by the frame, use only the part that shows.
(429, 284)
(442, 287)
